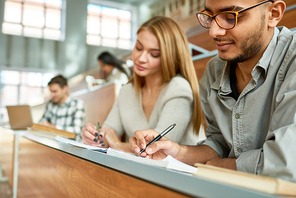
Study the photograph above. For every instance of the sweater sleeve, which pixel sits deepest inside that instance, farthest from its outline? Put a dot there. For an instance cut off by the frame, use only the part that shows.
(176, 107)
(113, 119)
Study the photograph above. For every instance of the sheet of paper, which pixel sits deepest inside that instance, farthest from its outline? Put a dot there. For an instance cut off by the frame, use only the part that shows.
(179, 166)
(75, 143)
(133, 157)
(169, 162)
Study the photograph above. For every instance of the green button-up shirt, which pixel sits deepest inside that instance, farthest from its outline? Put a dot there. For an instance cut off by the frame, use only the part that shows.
(259, 128)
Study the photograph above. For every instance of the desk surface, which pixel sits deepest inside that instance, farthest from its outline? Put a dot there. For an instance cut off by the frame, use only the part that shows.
(170, 179)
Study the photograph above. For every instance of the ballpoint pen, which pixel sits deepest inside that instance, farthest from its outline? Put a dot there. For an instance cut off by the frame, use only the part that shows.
(97, 134)
(159, 136)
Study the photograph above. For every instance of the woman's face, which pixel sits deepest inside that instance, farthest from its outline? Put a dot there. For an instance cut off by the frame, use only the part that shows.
(107, 69)
(146, 55)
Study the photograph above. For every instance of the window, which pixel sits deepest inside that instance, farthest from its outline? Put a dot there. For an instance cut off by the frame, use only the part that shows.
(33, 18)
(19, 87)
(108, 27)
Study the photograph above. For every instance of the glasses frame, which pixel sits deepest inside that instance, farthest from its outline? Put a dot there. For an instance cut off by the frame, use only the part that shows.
(235, 13)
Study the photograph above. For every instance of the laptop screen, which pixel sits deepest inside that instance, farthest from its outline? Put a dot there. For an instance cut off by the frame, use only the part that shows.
(19, 117)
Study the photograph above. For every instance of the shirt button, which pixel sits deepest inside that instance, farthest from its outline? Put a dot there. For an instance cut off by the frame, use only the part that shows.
(237, 116)
(239, 150)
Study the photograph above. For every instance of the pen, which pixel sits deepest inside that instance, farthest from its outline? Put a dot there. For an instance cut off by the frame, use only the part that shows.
(98, 126)
(159, 136)
(97, 134)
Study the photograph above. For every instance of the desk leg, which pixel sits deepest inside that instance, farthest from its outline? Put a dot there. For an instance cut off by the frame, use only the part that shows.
(2, 179)
(15, 164)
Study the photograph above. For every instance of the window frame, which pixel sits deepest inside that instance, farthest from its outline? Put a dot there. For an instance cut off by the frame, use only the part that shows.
(119, 6)
(62, 22)
(44, 89)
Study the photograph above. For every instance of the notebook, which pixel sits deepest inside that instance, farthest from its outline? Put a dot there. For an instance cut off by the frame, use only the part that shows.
(19, 117)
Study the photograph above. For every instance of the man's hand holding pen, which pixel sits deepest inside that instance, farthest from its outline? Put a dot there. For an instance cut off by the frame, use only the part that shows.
(158, 150)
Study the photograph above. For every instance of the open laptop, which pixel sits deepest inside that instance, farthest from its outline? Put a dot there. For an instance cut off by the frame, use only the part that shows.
(19, 117)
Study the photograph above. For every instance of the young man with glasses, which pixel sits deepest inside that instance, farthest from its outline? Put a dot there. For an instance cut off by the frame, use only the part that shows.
(248, 93)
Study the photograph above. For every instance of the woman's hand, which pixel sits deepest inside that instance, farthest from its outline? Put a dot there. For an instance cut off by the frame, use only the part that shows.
(88, 135)
(110, 138)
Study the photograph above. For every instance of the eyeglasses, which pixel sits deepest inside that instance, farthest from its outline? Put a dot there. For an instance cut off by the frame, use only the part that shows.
(226, 20)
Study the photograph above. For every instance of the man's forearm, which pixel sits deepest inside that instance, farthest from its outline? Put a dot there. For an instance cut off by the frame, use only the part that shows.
(229, 163)
(196, 154)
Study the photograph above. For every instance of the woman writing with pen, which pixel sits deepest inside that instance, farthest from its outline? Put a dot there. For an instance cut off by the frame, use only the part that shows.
(163, 90)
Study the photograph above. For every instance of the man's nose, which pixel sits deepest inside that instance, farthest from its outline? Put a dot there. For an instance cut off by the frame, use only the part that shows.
(216, 30)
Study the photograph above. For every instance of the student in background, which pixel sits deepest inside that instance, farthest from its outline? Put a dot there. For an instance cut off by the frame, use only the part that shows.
(113, 69)
(63, 112)
(162, 91)
(247, 92)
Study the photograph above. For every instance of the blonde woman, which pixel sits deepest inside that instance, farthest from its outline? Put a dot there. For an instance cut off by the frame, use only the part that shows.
(162, 91)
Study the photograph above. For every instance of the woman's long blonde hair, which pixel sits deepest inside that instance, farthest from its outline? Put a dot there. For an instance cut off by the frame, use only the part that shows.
(175, 59)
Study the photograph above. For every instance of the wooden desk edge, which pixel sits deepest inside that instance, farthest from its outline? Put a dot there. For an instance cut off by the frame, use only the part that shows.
(174, 180)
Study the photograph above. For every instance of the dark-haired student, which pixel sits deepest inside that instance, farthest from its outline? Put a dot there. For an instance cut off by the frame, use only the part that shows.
(162, 91)
(63, 112)
(248, 93)
(113, 68)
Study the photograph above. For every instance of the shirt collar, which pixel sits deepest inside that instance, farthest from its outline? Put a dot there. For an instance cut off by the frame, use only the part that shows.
(114, 71)
(267, 55)
(223, 81)
(67, 102)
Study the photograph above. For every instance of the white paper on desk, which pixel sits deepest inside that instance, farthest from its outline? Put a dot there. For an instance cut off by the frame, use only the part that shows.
(75, 143)
(169, 162)
(179, 166)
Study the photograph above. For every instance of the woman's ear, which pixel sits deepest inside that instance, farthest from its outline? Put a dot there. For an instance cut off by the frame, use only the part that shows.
(276, 12)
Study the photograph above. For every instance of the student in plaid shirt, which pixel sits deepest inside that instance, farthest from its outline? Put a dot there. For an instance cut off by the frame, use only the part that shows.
(63, 112)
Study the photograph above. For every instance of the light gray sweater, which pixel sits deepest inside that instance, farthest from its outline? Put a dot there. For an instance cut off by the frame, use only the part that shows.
(174, 105)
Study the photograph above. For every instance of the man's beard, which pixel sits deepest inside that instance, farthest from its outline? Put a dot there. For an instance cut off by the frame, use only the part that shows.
(250, 46)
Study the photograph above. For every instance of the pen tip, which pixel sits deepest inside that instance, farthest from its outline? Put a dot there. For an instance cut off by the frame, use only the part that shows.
(174, 124)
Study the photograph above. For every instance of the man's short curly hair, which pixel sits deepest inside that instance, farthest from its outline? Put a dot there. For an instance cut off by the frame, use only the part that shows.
(59, 79)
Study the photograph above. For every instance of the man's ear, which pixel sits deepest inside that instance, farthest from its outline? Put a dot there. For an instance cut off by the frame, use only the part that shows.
(65, 89)
(276, 12)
